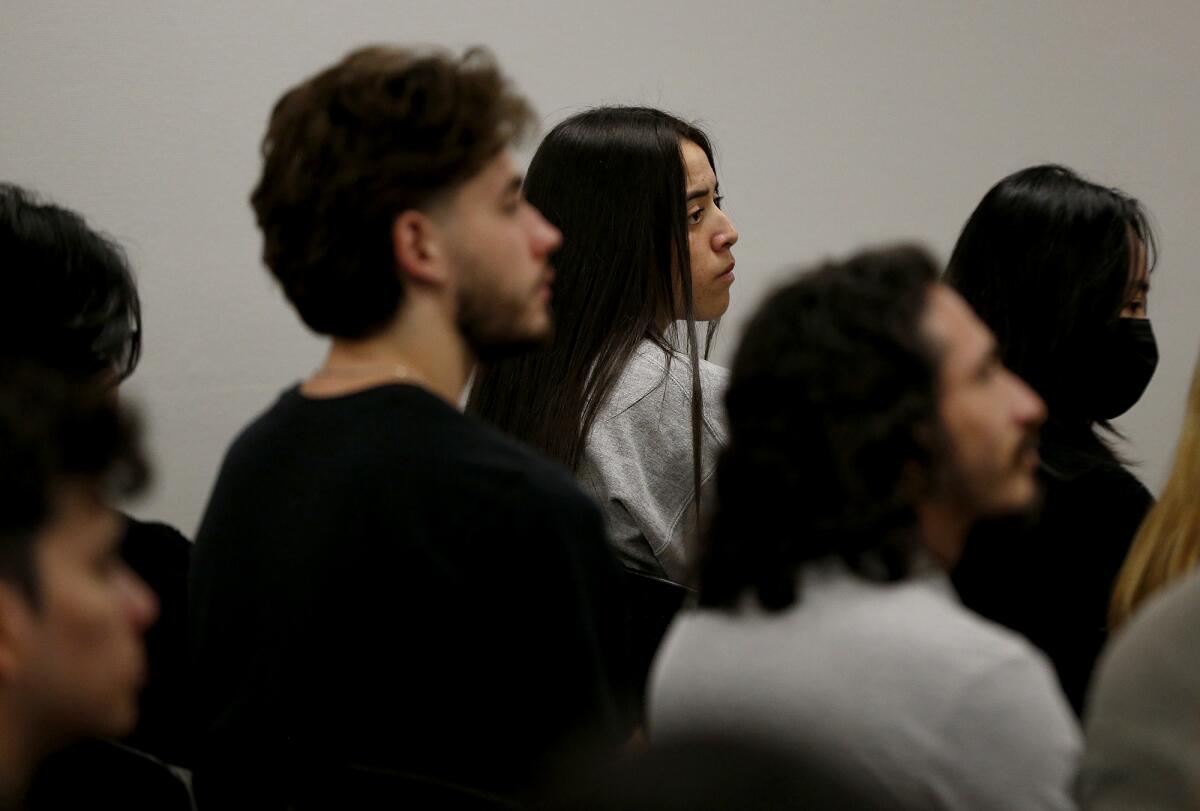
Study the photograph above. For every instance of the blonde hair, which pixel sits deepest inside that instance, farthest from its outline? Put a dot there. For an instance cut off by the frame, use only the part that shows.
(1167, 546)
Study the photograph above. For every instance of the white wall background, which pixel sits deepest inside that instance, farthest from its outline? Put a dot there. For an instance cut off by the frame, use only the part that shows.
(836, 123)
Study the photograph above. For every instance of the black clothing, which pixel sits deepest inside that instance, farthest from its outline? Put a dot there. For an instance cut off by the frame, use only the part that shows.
(1051, 578)
(160, 555)
(103, 775)
(131, 774)
(382, 585)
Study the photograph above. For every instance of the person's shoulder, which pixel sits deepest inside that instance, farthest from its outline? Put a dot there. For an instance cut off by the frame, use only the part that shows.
(512, 473)
(1105, 501)
(652, 359)
(1141, 709)
(155, 550)
(654, 392)
(1077, 462)
(1113, 480)
(928, 624)
(1163, 630)
(714, 375)
(155, 532)
(265, 423)
(497, 453)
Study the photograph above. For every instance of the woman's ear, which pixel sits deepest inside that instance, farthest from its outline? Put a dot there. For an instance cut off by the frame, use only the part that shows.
(418, 248)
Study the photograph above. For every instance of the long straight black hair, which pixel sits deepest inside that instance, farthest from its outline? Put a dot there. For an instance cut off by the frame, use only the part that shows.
(70, 301)
(1045, 261)
(612, 179)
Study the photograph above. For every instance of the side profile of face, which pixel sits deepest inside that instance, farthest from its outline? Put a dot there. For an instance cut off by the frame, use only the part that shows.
(500, 247)
(711, 236)
(1137, 304)
(77, 657)
(990, 416)
(1124, 358)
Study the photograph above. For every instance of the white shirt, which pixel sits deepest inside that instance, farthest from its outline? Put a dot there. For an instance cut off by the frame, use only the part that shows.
(897, 686)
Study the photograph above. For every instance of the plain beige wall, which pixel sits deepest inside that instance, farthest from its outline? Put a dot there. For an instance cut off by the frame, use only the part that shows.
(836, 123)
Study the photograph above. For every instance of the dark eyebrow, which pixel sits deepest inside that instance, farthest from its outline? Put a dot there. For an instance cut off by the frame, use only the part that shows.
(513, 186)
(703, 192)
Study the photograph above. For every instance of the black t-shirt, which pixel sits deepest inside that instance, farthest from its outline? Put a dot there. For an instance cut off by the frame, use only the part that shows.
(382, 585)
(159, 554)
(1051, 579)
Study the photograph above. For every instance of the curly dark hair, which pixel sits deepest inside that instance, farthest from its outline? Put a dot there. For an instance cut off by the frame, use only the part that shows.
(832, 400)
(385, 130)
(55, 429)
(70, 300)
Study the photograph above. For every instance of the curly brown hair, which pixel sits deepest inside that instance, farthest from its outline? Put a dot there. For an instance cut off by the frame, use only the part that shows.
(385, 130)
(832, 397)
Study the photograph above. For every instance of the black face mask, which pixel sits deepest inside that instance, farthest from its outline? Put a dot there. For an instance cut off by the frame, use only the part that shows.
(1125, 359)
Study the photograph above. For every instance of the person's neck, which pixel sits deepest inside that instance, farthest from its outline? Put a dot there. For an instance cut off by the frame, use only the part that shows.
(943, 529)
(420, 347)
(17, 762)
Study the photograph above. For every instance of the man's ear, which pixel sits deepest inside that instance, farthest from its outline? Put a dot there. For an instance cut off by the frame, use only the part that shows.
(418, 247)
(16, 619)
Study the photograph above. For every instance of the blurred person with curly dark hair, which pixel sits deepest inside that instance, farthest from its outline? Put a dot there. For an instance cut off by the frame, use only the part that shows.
(72, 614)
(392, 603)
(871, 423)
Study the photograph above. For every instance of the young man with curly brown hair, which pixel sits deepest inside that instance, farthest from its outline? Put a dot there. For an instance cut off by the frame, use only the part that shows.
(871, 424)
(390, 601)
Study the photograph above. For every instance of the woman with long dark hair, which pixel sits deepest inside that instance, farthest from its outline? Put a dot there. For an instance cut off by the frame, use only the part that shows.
(618, 395)
(1059, 268)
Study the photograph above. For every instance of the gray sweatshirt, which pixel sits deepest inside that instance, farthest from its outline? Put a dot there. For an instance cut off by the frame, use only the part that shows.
(924, 704)
(638, 460)
(1143, 713)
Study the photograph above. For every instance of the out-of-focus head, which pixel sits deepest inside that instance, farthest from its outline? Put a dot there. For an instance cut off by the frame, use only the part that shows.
(389, 172)
(635, 191)
(1167, 545)
(70, 301)
(860, 391)
(72, 615)
(1059, 269)
(989, 418)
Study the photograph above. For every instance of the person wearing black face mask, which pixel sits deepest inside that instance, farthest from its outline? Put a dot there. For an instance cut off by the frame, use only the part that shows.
(1126, 359)
(1059, 269)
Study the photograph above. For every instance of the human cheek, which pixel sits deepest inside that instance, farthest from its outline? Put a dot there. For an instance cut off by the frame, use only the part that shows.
(139, 603)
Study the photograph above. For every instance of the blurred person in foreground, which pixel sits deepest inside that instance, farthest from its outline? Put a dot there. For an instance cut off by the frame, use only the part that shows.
(1167, 545)
(71, 304)
(72, 614)
(871, 424)
(1142, 718)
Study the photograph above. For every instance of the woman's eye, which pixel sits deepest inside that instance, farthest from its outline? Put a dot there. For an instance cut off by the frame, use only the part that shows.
(695, 216)
(719, 201)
